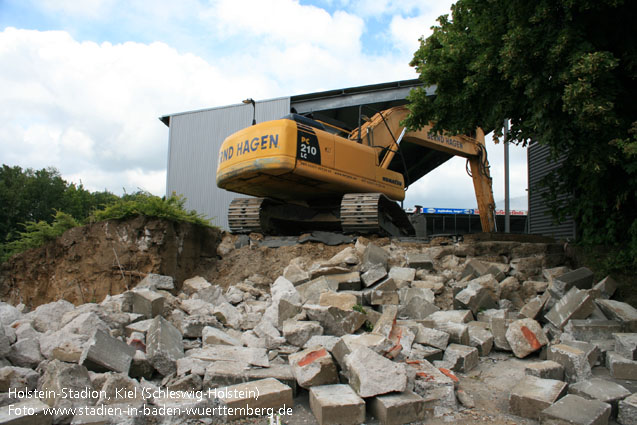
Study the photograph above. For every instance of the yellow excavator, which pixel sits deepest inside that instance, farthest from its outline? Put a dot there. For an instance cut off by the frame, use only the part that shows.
(309, 175)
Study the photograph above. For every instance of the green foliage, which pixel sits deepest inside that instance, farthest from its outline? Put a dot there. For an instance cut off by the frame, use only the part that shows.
(38, 233)
(143, 203)
(359, 308)
(564, 72)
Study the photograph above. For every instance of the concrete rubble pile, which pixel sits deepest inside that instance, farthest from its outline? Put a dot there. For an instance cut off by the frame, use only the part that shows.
(387, 332)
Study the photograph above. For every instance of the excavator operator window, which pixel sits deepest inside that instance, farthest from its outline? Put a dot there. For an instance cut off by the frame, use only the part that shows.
(304, 120)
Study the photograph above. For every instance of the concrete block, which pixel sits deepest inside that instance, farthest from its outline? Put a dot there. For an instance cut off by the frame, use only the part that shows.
(532, 395)
(25, 353)
(371, 374)
(374, 255)
(435, 286)
(455, 316)
(474, 268)
(295, 274)
(417, 308)
(581, 278)
(575, 361)
(627, 413)
(626, 345)
(621, 367)
(338, 299)
(398, 408)
(480, 337)
(376, 273)
(419, 260)
(313, 366)
(194, 285)
(498, 324)
(337, 404)
(211, 353)
(384, 298)
(576, 410)
(461, 358)
(148, 303)
(326, 341)
(458, 332)
(253, 398)
(533, 308)
(402, 273)
(546, 369)
(432, 337)
(589, 330)
(164, 345)
(386, 321)
(602, 390)
(436, 388)
(525, 336)
(214, 336)
(18, 378)
(58, 380)
(30, 411)
(335, 321)
(422, 352)
(606, 287)
(345, 281)
(299, 332)
(104, 353)
(591, 350)
(576, 304)
(621, 312)
(475, 297)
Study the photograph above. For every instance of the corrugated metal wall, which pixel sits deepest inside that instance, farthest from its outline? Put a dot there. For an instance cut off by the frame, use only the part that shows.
(193, 146)
(540, 219)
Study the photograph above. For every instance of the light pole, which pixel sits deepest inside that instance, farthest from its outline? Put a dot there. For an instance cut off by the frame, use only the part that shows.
(254, 109)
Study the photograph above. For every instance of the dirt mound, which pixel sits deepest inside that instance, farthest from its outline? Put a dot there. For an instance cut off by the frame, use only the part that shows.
(87, 263)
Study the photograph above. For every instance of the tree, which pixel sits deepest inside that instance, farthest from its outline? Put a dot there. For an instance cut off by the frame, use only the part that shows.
(565, 73)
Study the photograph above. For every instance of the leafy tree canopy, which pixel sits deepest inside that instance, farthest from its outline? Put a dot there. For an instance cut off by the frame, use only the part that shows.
(565, 73)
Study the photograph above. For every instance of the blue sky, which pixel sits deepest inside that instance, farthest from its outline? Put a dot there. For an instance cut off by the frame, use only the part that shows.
(82, 82)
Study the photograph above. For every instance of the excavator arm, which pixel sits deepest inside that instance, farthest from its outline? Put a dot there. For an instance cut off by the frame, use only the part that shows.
(414, 153)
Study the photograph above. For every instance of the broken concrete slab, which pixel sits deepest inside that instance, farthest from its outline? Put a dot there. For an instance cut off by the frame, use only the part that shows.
(458, 332)
(525, 336)
(338, 299)
(532, 395)
(375, 274)
(576, 410)
(254, 398)
(104, 353)
(575, 361)
(337, 404)
(626, 345)
(156, 282)
(436, 388)
(498, 324)
(455, 316)
(214, 336)
(398, 408)
(546, 369)
(48, 317)
(627, 413)
(299, 332)
(432, 337)
(25, 353)
(407, 274)
(164, 346)
(602, 390)
(253, 356)
(589, 330)
(60, 379)
(295, 274)
(533, 308)
(371, 374)
(18, 378)
(381, 298)
(148, 303)
(420, 260)
(474, 297)
(480, 337)
(621, 367)
(576, 304)
(194, 285)
(374, 255)
(224, 373)
(621, 312)
(581, 278)
(461, 358)
(313, 366)
(335, 321)
(326, 341)
(311, 291)
(591, 350)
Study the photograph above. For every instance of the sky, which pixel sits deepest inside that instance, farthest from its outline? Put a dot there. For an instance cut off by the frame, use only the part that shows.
(83, 82)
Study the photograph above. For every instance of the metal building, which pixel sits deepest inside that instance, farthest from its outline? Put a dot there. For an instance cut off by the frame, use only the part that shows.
(195, 137)
(541, 222)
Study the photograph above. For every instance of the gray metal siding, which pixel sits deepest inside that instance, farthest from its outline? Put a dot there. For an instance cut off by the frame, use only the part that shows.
(540, 219)
(193, 146)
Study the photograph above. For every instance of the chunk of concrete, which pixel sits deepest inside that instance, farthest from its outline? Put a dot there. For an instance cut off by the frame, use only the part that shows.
(621, 367)
(475, 297)
(418, 260)
(546, 369)
(621, 312)
(480, 337)
(164, 346)
(398, 408)
(295, 274)
(345, 281)
(30, 411)
(253, 398)
(458, 332)
(533, 308)
(627, 414)
(194, 285)
(253, 356)
(371, 374)
(576, 410)
(48, 317)
(532, 395)
(311, 291)
(432, 337)
(104, 353)
(590, 330)
(576, 304)
(335, 321)
(25, 353)
(402, 273)
(525, 336)
(498, 324)
(418, 308)
(18, 378)
(59, 380)
(148, 303)
(326, 341)
(337, 404)
(299, 332)
(375, 273)
(313, 366)
(384, 298)
(461, 358)
(338, 299)
(581, 278)
(591, 350)
(455, 316)
(436, 388)
(626, 345)
(575, 361)
(602, 390)
(214, 336)
(374, 255)
(606, 287)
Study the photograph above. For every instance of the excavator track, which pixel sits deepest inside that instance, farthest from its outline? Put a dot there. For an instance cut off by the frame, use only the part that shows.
(244, 215)
(373, 213)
